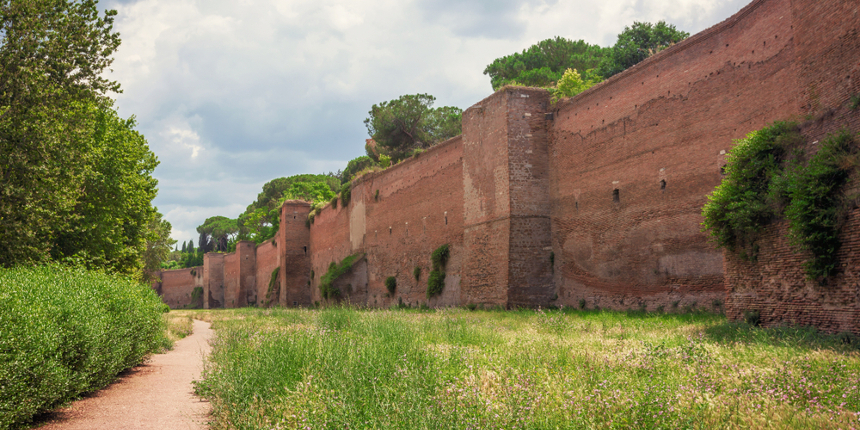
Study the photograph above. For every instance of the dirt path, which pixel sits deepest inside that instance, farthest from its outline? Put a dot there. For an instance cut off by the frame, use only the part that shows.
(155, 395)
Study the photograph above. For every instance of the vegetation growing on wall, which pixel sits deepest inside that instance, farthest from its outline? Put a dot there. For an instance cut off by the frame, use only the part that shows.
(436, 280)
(274, 289)
(768, 176)
(391, 284)
(335, 271)
(816, 202)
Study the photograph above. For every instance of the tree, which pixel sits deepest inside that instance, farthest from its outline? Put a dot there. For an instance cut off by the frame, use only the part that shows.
(309, 191)
(52, 58)
(158, 243)
(261, 218)
(356, 165)
(545, 62)
(184, 246)
(109, 225)
(190, 246)
(570, 84)
(217, 232)
(409, 122)
(637, 43)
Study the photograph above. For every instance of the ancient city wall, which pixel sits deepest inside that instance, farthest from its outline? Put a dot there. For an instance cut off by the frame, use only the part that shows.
(176, 287)
(827, 63)
(266, 260)
(633, 159)
(595, 200)
(397, 218)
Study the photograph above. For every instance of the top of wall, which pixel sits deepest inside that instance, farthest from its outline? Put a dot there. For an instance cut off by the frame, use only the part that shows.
(667, 53)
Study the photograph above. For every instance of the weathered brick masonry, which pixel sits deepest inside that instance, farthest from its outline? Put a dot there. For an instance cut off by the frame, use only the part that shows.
(596, 199)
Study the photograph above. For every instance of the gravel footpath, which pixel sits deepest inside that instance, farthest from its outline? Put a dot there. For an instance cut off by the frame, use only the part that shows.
(155, 395)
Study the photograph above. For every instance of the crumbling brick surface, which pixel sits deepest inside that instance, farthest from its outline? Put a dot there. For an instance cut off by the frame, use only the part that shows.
(633, 159)
(595, 200)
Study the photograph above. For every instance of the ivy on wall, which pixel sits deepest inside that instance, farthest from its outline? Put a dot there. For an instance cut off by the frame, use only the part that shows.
(335, 271)
(769, 176)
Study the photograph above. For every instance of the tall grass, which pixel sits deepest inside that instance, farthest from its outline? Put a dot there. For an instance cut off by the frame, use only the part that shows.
(67, 331)
(340, 368)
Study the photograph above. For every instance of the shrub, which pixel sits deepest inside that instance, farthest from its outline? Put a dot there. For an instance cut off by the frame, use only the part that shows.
(854, 102)
(582, 303)
(436, 280)
(745, 201)
(814, 205)
(333, 202)
(384, 161)
(346, 193)
(440, 256)
(67, 331)
(435, 283)
(752, 318)
(334, 272)
(391, 284)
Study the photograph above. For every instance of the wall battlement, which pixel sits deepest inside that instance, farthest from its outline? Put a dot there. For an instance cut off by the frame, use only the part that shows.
(592, 201)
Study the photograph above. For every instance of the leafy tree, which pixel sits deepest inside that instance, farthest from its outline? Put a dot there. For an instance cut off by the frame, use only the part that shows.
(158, 243)
(52, 57)
(545, 62)
(570, 84)
(637, 43)
(356, 165)
(217, 232)
(261, 218)
(109, 225)
(309, 191)
(409, 122)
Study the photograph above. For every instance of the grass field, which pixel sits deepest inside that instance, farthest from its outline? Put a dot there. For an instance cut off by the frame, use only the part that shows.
(342, 368)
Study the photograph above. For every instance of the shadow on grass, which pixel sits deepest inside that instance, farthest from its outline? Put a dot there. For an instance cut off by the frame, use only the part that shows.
(806, 338)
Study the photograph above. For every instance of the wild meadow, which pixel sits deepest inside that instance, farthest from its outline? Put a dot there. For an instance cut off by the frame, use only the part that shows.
(342, 368)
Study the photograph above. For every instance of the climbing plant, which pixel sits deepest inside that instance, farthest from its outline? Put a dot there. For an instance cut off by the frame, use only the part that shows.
(768, 175)
(436, 280)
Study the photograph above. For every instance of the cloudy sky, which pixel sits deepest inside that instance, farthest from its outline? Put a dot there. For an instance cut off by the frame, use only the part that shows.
(233, 93)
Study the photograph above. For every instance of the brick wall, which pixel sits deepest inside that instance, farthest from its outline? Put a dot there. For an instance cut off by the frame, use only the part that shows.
(418, 208)
(177, 287)
(266, 260)
(827, 53)
(294, 251)
(633, 158)
(610, 187)
(213, 280)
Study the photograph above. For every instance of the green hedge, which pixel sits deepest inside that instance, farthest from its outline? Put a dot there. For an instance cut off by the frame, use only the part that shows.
(65, 331)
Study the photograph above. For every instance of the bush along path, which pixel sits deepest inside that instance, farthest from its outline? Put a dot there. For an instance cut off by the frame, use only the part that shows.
(155, 395)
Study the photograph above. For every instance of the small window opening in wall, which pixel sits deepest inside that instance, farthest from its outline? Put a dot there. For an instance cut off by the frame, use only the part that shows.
(389, 231)
(662, 184)
(306, 249)
(295, 303)
(577, 205)
(615, 196)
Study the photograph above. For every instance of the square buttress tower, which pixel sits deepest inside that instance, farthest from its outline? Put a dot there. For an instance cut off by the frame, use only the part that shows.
(507, 234)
